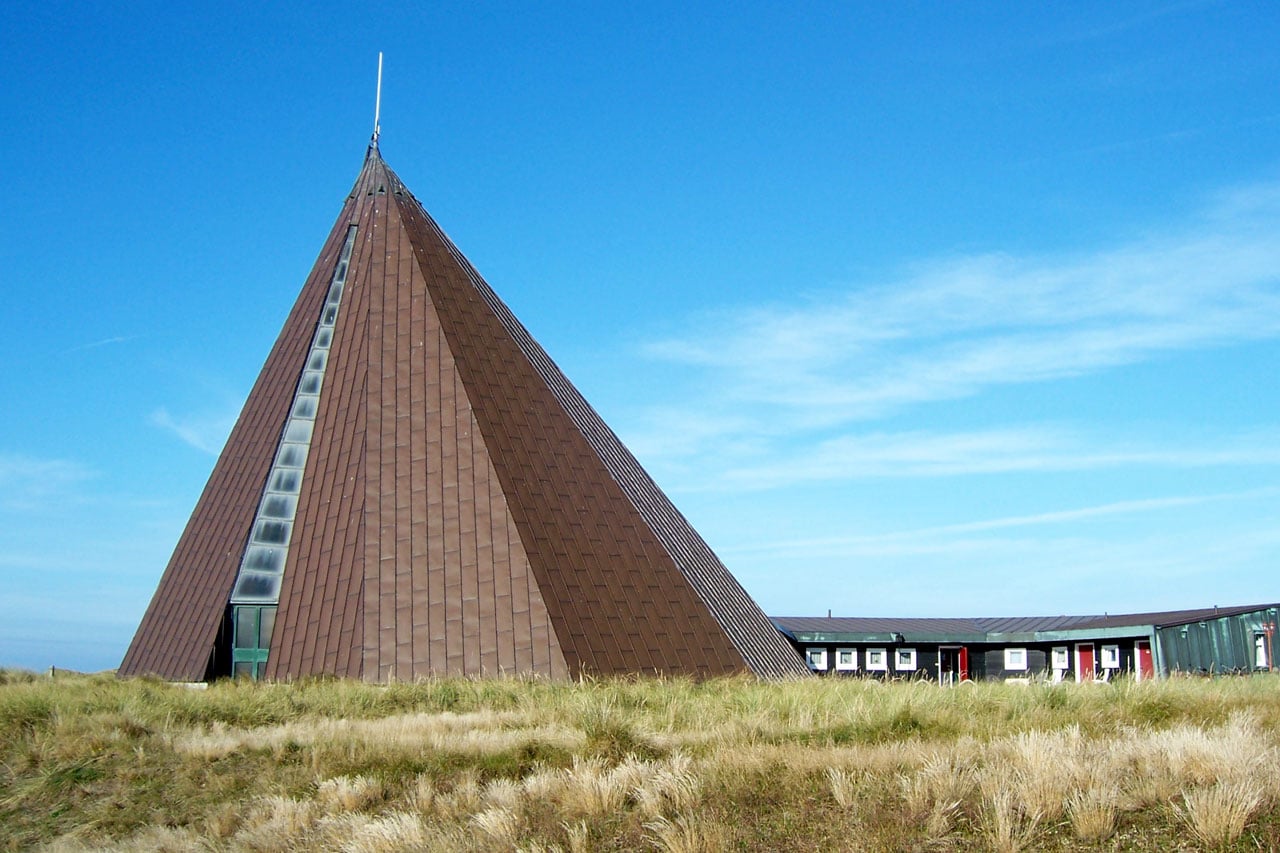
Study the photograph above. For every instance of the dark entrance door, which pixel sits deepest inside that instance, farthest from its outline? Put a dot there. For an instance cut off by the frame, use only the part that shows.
(953, 664)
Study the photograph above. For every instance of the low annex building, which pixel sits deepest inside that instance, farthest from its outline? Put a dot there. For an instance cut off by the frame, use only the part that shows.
(1216, 640)
(414, 489)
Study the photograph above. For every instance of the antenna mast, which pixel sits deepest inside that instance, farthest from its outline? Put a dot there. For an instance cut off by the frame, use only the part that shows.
(377, 103)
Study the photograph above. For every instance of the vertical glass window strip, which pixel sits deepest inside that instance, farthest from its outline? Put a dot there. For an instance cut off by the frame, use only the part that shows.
(262, 564)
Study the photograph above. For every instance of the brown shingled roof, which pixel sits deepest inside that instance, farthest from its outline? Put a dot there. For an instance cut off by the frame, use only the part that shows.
(463, 509)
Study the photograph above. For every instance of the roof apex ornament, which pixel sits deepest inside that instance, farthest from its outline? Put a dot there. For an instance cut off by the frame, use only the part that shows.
(377, 105)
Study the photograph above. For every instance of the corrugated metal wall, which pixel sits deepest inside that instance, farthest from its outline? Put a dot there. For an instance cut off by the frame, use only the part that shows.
(1220, 645)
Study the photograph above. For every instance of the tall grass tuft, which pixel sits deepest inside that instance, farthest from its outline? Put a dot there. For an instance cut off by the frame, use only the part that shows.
(1217, 814)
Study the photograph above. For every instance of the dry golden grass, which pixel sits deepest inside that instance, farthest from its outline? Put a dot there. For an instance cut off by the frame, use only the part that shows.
(96, 764)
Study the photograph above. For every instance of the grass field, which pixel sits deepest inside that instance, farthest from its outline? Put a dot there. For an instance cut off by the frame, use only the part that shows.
(93, 763)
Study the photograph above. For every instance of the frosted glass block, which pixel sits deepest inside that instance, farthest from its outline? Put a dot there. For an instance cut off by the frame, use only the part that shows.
(287, 480)
(305, 407)
(264, 559)
(298, 430)
(292, 456)
(279, 506)
(330, 315)
(311, 382)
(272, 532)
(324, 337)
(319, 358)
(257, 587)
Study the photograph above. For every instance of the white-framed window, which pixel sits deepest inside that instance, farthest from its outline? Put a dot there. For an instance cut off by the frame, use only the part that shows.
(1260, 651)
(904, 660)
(1061, 657)
(816, 658)
(846, 659)
(1110, 657)
(877, 660)
(1015, 659)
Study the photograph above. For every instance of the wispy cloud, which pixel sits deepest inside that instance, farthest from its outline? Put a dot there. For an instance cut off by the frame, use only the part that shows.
(954, 538)
(954, 328)
(207, 432)
(117, 339)
(29, 483)
(995, 451)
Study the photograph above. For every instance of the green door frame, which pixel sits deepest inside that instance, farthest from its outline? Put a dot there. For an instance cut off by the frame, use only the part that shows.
(251, 626)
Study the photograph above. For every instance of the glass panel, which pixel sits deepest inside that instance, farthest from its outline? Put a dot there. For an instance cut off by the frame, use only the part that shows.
(246, 627)
(323, 338)
(310, 383)
(286, 480)
(292, 455)
(279, 506)
(298, 431)
(272, 532)
(264, 559)
(256, 587)
(335, 292)
(268, 623)
(330, 314)
(305, 407)
(242, 668)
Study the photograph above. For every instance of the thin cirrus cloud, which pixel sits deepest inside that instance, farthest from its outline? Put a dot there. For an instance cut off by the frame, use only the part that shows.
(206, 433)
(31, 483)
(955, 327)
(995, 451)
(977, 536)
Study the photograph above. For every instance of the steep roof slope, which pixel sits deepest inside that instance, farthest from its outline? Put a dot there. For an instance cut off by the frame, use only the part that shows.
(462, 509)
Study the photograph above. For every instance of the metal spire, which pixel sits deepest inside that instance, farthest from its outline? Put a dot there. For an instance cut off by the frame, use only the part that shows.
(377, 104)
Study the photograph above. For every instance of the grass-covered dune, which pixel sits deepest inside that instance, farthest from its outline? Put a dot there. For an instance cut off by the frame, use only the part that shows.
(93, 763)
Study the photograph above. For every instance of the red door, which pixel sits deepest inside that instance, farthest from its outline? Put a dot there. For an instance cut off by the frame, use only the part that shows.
(1084, 662)
(1146, 669)
(964, 663)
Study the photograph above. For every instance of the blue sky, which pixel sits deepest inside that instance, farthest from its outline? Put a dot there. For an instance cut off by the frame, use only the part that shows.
(914, 309)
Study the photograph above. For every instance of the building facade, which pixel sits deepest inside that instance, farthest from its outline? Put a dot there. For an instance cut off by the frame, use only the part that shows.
(1208, 641)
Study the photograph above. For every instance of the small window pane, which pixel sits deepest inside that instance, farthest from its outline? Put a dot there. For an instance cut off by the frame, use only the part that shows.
(330, 314)
(318, 360)
(324, 337)
(268, 622)
(242, 668)
(1015, 659)
(246, 627)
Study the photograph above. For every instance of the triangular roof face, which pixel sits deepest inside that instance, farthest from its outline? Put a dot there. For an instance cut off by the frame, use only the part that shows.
(423, 492)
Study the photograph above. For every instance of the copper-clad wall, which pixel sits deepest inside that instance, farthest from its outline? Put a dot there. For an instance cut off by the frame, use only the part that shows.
(176, 636)
(406, 562)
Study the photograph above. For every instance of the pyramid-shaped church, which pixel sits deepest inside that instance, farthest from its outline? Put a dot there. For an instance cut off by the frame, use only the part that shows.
(413, 489)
